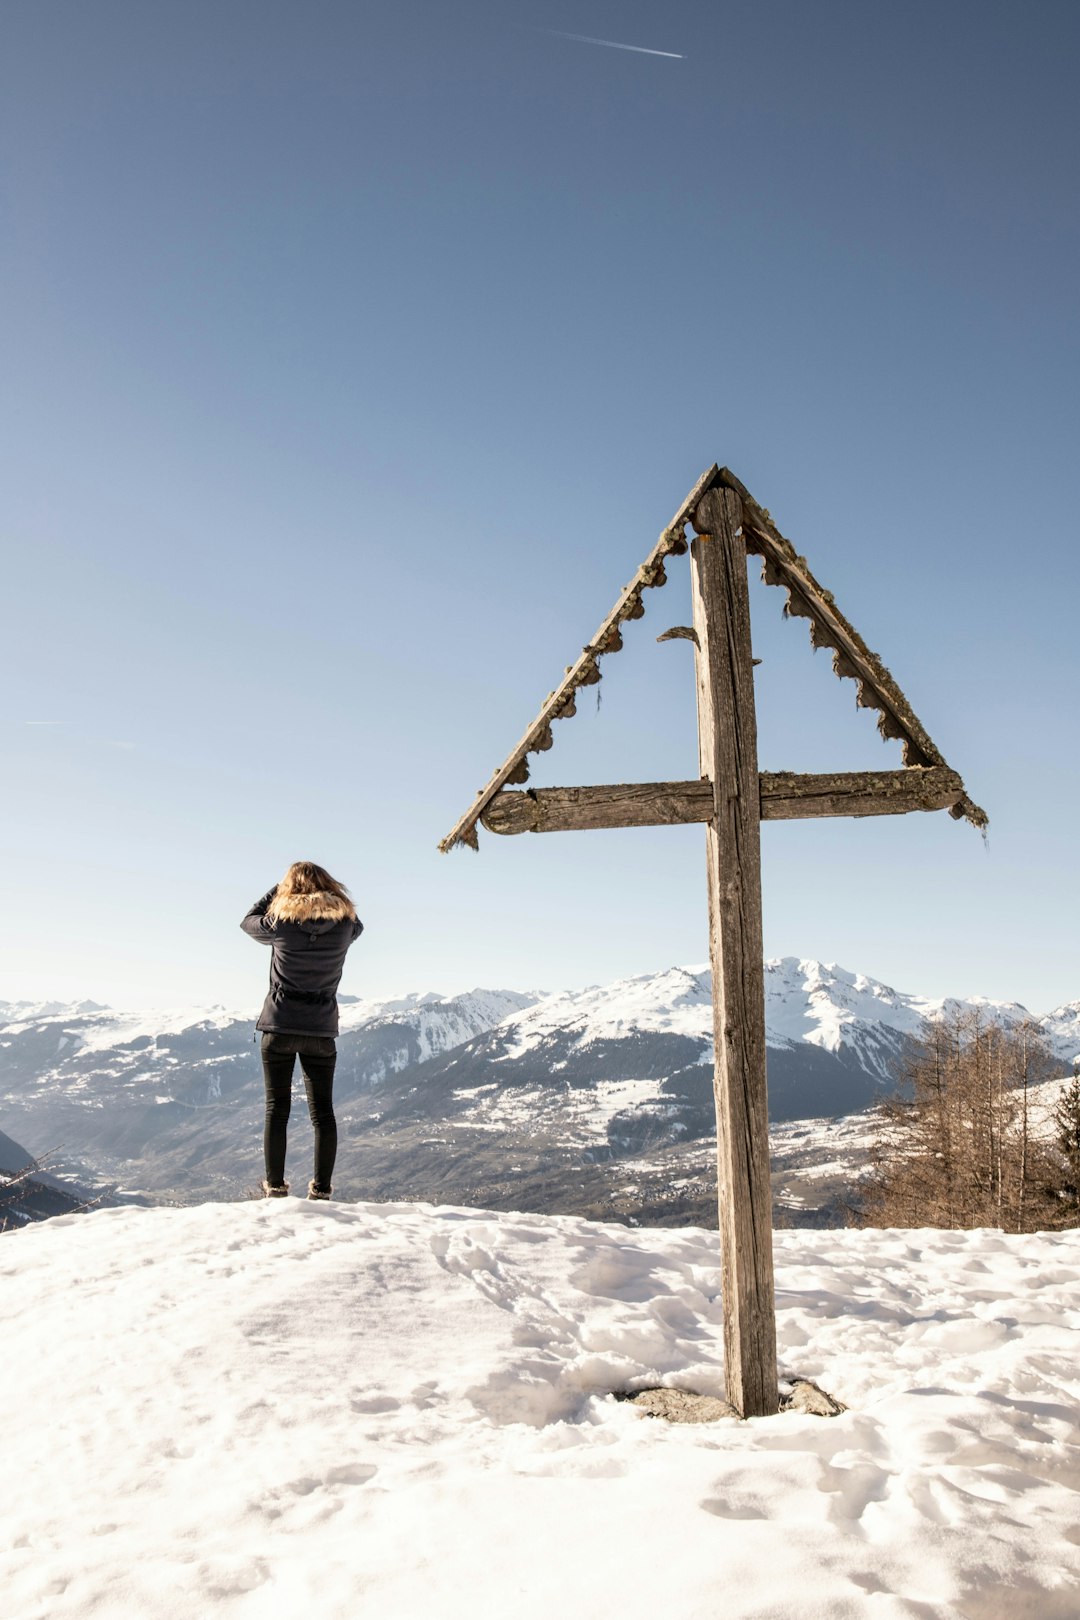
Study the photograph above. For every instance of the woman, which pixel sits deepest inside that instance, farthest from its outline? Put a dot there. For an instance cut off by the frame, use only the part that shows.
(310, 922)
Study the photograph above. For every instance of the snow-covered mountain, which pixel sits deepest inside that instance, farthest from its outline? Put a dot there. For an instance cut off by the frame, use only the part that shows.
(380, 1038)
(1062, 1030)
(12, 1012)
(834, 1039)
(580, 1101)
(807, 1003)
(163, 1100)
(186, 1054)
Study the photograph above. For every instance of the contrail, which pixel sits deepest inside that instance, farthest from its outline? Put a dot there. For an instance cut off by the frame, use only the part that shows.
(613, 44)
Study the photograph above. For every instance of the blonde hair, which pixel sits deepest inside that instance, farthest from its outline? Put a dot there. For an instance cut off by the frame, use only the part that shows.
(305, 878)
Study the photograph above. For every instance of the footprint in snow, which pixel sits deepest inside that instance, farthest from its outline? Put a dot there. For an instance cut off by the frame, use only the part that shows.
(721, 1509)
(350, 1474)
(461, 1255)
(374, 1403)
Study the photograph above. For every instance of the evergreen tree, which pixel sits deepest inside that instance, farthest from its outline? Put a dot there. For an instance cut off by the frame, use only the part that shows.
(1067, 1126)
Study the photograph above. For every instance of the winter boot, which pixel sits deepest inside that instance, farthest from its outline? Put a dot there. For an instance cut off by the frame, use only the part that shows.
(314, 1191)
(275, 1192)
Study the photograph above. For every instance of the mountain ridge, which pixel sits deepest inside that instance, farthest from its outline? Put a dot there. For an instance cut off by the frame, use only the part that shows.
(507, 1098)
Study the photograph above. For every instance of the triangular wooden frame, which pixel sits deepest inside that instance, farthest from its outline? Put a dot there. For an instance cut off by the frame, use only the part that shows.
(806, 598)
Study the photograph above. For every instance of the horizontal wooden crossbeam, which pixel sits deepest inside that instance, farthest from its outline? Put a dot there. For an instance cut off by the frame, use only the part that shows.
(785, 796)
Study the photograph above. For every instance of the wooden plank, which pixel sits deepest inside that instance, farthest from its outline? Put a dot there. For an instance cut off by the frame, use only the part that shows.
(790, 796)
(643, 804)
(727, 756)
(784, 796)
(585, 672)
(852, 658)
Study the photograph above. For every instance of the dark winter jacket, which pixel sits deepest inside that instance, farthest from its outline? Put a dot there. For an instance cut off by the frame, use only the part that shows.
(310, 937)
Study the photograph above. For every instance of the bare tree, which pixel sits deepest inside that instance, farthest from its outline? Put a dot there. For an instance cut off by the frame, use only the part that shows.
(16, 1186)
(956, 1147)
(20, 1186)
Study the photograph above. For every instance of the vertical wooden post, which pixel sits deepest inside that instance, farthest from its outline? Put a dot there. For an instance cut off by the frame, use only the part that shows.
(727, 753)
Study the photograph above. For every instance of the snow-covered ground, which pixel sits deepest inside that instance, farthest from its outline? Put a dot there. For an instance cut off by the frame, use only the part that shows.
(404, 1412)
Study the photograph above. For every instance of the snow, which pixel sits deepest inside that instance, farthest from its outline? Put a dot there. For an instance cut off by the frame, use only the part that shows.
(1063, 1028)
(575, 1117)
(808, 1004)
(438, 1023)
(12, 1012)
(829, 1006)
(677, 1001)
(819, 1148)
(819, 1003)
(403, 1411)
(103, 1028)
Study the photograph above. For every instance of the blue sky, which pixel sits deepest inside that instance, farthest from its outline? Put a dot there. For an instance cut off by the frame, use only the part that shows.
(355, 356)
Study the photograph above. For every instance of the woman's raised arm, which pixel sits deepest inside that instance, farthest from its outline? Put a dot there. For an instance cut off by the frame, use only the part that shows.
(255, 922)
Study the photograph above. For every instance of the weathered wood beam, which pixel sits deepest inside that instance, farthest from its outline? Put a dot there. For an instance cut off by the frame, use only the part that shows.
(574, 809)
(585, 672)
(727, 757)
(794, 796)
(784, 796)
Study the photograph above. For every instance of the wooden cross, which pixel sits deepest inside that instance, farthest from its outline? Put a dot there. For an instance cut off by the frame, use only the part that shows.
(731, 797)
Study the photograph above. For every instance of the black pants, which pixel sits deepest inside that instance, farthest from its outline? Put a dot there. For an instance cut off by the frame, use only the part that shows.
(318, 1057)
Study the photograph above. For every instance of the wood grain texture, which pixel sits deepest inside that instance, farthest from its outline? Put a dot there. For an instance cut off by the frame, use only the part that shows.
(727, 756)
(783, 796)
(797, 796)
(585, 672)
(579, 809)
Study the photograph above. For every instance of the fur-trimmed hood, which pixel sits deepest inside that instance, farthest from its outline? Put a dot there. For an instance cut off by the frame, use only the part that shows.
(305, 908)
